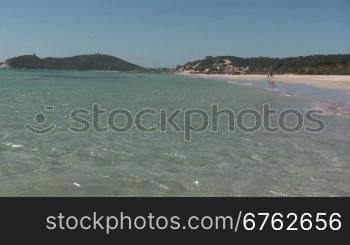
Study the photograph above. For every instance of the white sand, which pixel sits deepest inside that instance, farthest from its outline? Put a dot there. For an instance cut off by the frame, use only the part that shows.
(323, 81)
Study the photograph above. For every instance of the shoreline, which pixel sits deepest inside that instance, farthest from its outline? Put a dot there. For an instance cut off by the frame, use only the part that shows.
(341, 82)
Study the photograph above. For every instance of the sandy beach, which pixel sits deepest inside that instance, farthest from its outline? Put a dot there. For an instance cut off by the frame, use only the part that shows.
(322, 81)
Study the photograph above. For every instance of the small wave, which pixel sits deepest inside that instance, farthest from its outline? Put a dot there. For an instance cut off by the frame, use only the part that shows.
(288, 94)
(164, 187)
(316, 179)
(11, 145)
(239, 83)
(273, 89)
(102, 71)
(282, 92)
(332, 110)
(76, 184)
(278, 193)
(257, 158)
(196, 183)
(175, 155)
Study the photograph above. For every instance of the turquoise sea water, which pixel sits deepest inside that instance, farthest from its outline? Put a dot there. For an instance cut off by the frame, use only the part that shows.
(63, 163)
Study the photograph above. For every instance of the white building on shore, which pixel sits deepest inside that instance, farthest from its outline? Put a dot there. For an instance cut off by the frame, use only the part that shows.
(4, 66)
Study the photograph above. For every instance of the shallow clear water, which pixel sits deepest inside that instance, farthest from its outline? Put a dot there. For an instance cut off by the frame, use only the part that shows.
(163, 164)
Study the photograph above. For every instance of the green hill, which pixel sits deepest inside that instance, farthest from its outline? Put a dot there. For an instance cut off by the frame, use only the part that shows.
(338, 64)
(81, 62)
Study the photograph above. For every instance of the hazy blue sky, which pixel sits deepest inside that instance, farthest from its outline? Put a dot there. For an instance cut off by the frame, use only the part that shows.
(166, 33)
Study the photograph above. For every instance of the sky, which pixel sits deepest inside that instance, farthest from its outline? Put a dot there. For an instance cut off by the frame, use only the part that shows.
(165, 33)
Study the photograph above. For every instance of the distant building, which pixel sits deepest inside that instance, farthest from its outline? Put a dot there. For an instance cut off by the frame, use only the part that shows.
(230, 69)
(3, 66)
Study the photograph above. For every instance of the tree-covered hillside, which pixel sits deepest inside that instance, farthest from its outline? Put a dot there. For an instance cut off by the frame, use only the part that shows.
(81, 62)
(313, 64)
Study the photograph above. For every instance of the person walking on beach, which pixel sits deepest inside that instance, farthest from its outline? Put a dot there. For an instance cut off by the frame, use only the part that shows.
(270, 73)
